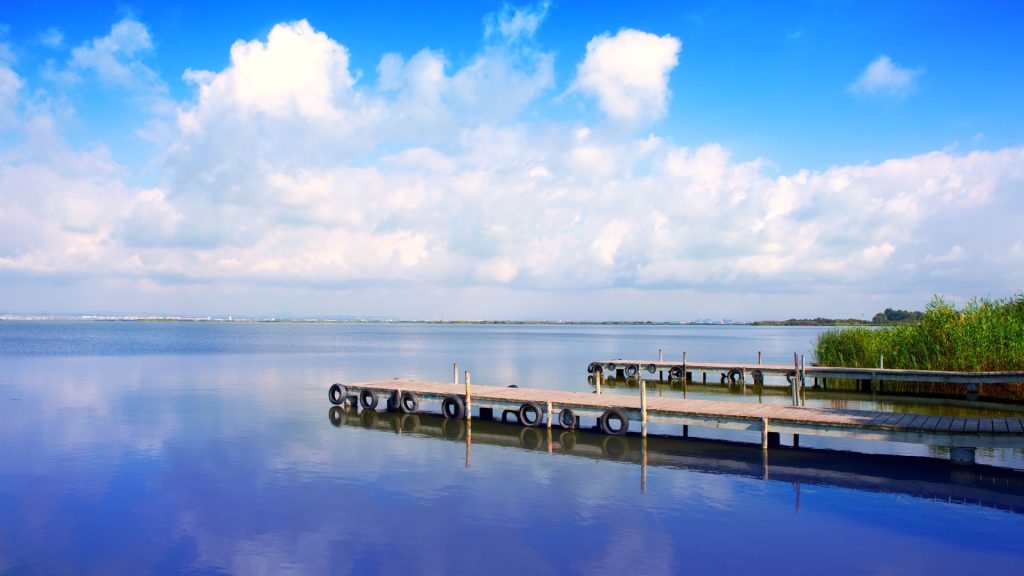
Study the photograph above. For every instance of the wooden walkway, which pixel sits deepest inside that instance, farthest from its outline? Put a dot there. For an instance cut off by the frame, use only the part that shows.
(961, 435)
(834, 372)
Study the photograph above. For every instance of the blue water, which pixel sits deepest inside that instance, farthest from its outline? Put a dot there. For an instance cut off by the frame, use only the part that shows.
(132, 448)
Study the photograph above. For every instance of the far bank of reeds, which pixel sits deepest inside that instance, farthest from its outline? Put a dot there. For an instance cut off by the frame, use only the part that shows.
(985, 335)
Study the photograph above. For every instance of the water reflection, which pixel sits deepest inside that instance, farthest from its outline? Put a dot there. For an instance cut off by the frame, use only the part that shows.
(920, 477)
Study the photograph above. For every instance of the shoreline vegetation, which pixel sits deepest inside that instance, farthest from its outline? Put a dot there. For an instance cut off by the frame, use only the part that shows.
(983, 336)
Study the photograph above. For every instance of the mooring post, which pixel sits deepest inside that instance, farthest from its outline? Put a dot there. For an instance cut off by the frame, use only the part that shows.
(803, 374)
(550, 415)
(643, 408)
(455, 373)
(600, 378)
(469, 398)
(796, 379)
(764, 434)
(758, 357)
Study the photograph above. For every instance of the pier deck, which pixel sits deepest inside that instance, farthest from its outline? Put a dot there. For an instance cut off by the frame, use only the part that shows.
(962, 435)
(831, 372)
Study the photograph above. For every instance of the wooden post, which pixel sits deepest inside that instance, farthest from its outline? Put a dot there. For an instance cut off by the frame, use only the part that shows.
(455, 373)
(600, 378)
(796, 379)
(803, 372)
(764, 434)
(550, 415)
(469, 398)
(643, 408)
(661, 358)
(758, 357)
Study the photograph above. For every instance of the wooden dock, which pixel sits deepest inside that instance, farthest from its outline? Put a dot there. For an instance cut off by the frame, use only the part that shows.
(739, 372)
(614, 413)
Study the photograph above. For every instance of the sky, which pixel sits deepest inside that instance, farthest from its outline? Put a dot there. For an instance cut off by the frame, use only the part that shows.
(485, 160)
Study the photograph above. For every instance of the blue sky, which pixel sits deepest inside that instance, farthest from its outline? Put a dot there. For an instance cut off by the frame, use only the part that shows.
(564, 160)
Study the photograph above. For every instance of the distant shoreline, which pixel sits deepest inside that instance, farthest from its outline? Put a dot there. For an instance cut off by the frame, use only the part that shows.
(231, 319)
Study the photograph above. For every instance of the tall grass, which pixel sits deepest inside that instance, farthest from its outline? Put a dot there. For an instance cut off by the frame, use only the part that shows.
(985, 335)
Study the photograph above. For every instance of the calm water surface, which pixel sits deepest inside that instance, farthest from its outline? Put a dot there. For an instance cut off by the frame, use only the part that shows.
(132, 448)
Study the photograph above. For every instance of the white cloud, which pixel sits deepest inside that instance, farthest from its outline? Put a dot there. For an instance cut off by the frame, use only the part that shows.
(883, 77)
(417, 183)
(628, 74)
(51, 37)
(10, 86)
(114, 58)
(514, 23)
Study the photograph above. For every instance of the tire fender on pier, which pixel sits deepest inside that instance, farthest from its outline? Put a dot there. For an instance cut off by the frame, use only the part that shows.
(525, 411)
(368, 399)
(616, 414)
(568, 419)
(453, 406)
(337, 394)
(408, 403)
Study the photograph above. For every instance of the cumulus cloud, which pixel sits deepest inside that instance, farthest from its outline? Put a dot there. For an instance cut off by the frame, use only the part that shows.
(51, 37)
(883, 77)
(289, 169)
(10, 85)
(115, 58)
(514, 23)
(628, 74)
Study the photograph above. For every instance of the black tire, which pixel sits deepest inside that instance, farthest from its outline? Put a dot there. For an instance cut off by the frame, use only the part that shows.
(791, 376)
(408, 403)
(568, 419)
(529, 438)
(337, 394)
(513, 386)
(676, 373)
(758, 377)
(392, 403)
(524, 414)
(610, 367)
(453, 407)
(632, 371)
(734, 375)
(505, 414)
(368, 399)
(335, 414)
(594, 368)
(725, 378)
(617, 414)
(651, 368)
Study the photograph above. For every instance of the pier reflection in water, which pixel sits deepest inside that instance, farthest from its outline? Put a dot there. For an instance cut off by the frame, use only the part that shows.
(919, 477)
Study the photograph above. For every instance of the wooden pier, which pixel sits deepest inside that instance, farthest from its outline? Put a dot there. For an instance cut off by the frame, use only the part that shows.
(614, 413)
(738, 372)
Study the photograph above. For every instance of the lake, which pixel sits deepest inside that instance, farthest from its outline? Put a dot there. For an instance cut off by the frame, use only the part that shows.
(211, 448)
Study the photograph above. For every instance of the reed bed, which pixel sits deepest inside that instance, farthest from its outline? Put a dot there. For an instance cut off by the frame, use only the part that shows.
(985, 335)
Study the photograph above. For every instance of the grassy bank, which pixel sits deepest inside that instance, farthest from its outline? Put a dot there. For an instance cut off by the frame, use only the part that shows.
(984, 335)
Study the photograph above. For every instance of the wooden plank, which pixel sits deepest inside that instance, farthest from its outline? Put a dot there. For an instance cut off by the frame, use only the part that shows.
(917, 422)
(1014, 426)
(999, 426)
(985, 425)
(971, 425)
(931, 424)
